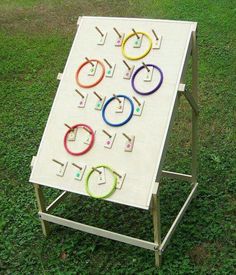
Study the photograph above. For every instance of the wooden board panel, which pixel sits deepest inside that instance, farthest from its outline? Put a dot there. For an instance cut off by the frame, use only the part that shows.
(150, 129)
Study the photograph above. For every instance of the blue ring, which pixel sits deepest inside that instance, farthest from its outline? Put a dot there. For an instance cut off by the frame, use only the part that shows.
(127, 119)
(153, 90)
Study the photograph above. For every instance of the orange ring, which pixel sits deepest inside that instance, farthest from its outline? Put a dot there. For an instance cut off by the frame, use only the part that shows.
(96, 82)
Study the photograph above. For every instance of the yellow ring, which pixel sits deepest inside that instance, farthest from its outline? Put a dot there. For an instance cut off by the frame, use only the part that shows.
(140, 56)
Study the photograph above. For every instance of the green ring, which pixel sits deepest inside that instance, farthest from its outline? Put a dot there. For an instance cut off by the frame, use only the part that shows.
(113, 185)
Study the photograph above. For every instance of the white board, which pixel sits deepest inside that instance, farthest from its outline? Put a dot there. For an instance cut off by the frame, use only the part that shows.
(150, 129)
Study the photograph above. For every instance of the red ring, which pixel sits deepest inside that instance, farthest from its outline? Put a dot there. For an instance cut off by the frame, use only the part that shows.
(96, 82)
(86, 149)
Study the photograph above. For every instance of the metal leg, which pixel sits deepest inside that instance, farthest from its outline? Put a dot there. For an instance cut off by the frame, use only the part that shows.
(41, 207)
(156, 226)
(194, 114)
(178, 219)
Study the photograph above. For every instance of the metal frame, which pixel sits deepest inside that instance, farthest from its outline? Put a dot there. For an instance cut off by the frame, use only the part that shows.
(158, 246)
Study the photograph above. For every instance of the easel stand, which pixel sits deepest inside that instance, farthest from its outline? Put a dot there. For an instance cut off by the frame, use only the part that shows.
(159, 244)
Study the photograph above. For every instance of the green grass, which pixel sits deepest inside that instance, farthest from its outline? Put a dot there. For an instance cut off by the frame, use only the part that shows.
(35, 39)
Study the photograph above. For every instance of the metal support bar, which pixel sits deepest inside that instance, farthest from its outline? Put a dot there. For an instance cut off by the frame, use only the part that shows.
(52, 205)
(188, 53)
(156, 225)
(194, 115)
(192, 102)
(177, 219)
(41, 207)
(98, 231)
(189, 97)
(178, 176)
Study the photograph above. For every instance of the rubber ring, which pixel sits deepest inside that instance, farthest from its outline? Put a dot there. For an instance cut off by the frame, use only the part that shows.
(123, 122)
(139, 56)
(153, 90)
(97, 81)
(113, 188)
(87, 148)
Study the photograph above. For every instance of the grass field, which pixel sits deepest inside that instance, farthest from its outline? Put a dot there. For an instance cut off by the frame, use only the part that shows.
(35, 39)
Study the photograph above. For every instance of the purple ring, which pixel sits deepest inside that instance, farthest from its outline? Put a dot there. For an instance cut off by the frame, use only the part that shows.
(153, 90)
